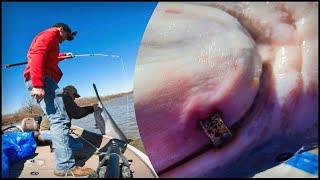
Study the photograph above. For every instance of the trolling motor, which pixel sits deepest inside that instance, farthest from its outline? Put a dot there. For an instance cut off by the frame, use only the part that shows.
(112, 162)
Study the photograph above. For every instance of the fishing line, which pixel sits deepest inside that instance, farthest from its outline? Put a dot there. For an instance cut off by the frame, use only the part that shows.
(123, 90)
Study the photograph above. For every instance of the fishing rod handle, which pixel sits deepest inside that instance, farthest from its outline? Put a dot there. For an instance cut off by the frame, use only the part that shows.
(16, 64)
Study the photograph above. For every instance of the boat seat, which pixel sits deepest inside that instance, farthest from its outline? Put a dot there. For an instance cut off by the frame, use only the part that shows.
(29, 124)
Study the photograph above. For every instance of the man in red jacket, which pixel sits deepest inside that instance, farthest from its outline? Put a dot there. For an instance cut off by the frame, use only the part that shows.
(42, 75)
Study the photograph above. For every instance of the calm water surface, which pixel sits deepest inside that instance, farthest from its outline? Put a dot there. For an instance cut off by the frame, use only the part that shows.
(122, 111)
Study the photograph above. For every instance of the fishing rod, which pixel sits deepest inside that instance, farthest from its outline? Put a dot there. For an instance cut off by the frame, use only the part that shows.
(79, 55)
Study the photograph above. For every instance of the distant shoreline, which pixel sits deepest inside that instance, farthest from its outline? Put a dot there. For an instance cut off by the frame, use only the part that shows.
(36, 110)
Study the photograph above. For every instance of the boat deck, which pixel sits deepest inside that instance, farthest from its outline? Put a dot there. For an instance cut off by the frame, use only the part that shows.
(42, 164)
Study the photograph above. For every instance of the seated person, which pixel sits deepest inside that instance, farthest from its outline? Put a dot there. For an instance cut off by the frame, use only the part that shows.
(73, 111)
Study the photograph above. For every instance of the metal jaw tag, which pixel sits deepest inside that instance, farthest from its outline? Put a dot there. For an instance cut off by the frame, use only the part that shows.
(216, 130)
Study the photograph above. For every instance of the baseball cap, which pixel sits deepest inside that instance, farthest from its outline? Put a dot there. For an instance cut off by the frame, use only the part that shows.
(73, 90)
(67, 29)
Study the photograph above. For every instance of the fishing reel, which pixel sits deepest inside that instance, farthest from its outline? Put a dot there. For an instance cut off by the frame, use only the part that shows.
(112, 162)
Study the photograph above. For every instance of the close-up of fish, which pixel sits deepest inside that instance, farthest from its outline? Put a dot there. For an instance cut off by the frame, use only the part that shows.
(227, 89)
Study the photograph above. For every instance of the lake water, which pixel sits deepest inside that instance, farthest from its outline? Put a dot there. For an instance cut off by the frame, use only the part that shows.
(122, 111)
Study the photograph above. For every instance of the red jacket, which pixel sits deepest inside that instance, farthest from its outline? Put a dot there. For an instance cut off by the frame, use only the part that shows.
(43, 57)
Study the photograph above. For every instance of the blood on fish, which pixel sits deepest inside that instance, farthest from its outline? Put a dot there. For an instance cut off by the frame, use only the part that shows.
(174, 11)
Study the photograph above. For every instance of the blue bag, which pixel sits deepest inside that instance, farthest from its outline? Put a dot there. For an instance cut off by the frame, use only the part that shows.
(5, 166)
(17, 146)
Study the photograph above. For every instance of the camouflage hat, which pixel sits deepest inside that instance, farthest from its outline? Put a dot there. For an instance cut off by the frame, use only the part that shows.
(72, 89)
